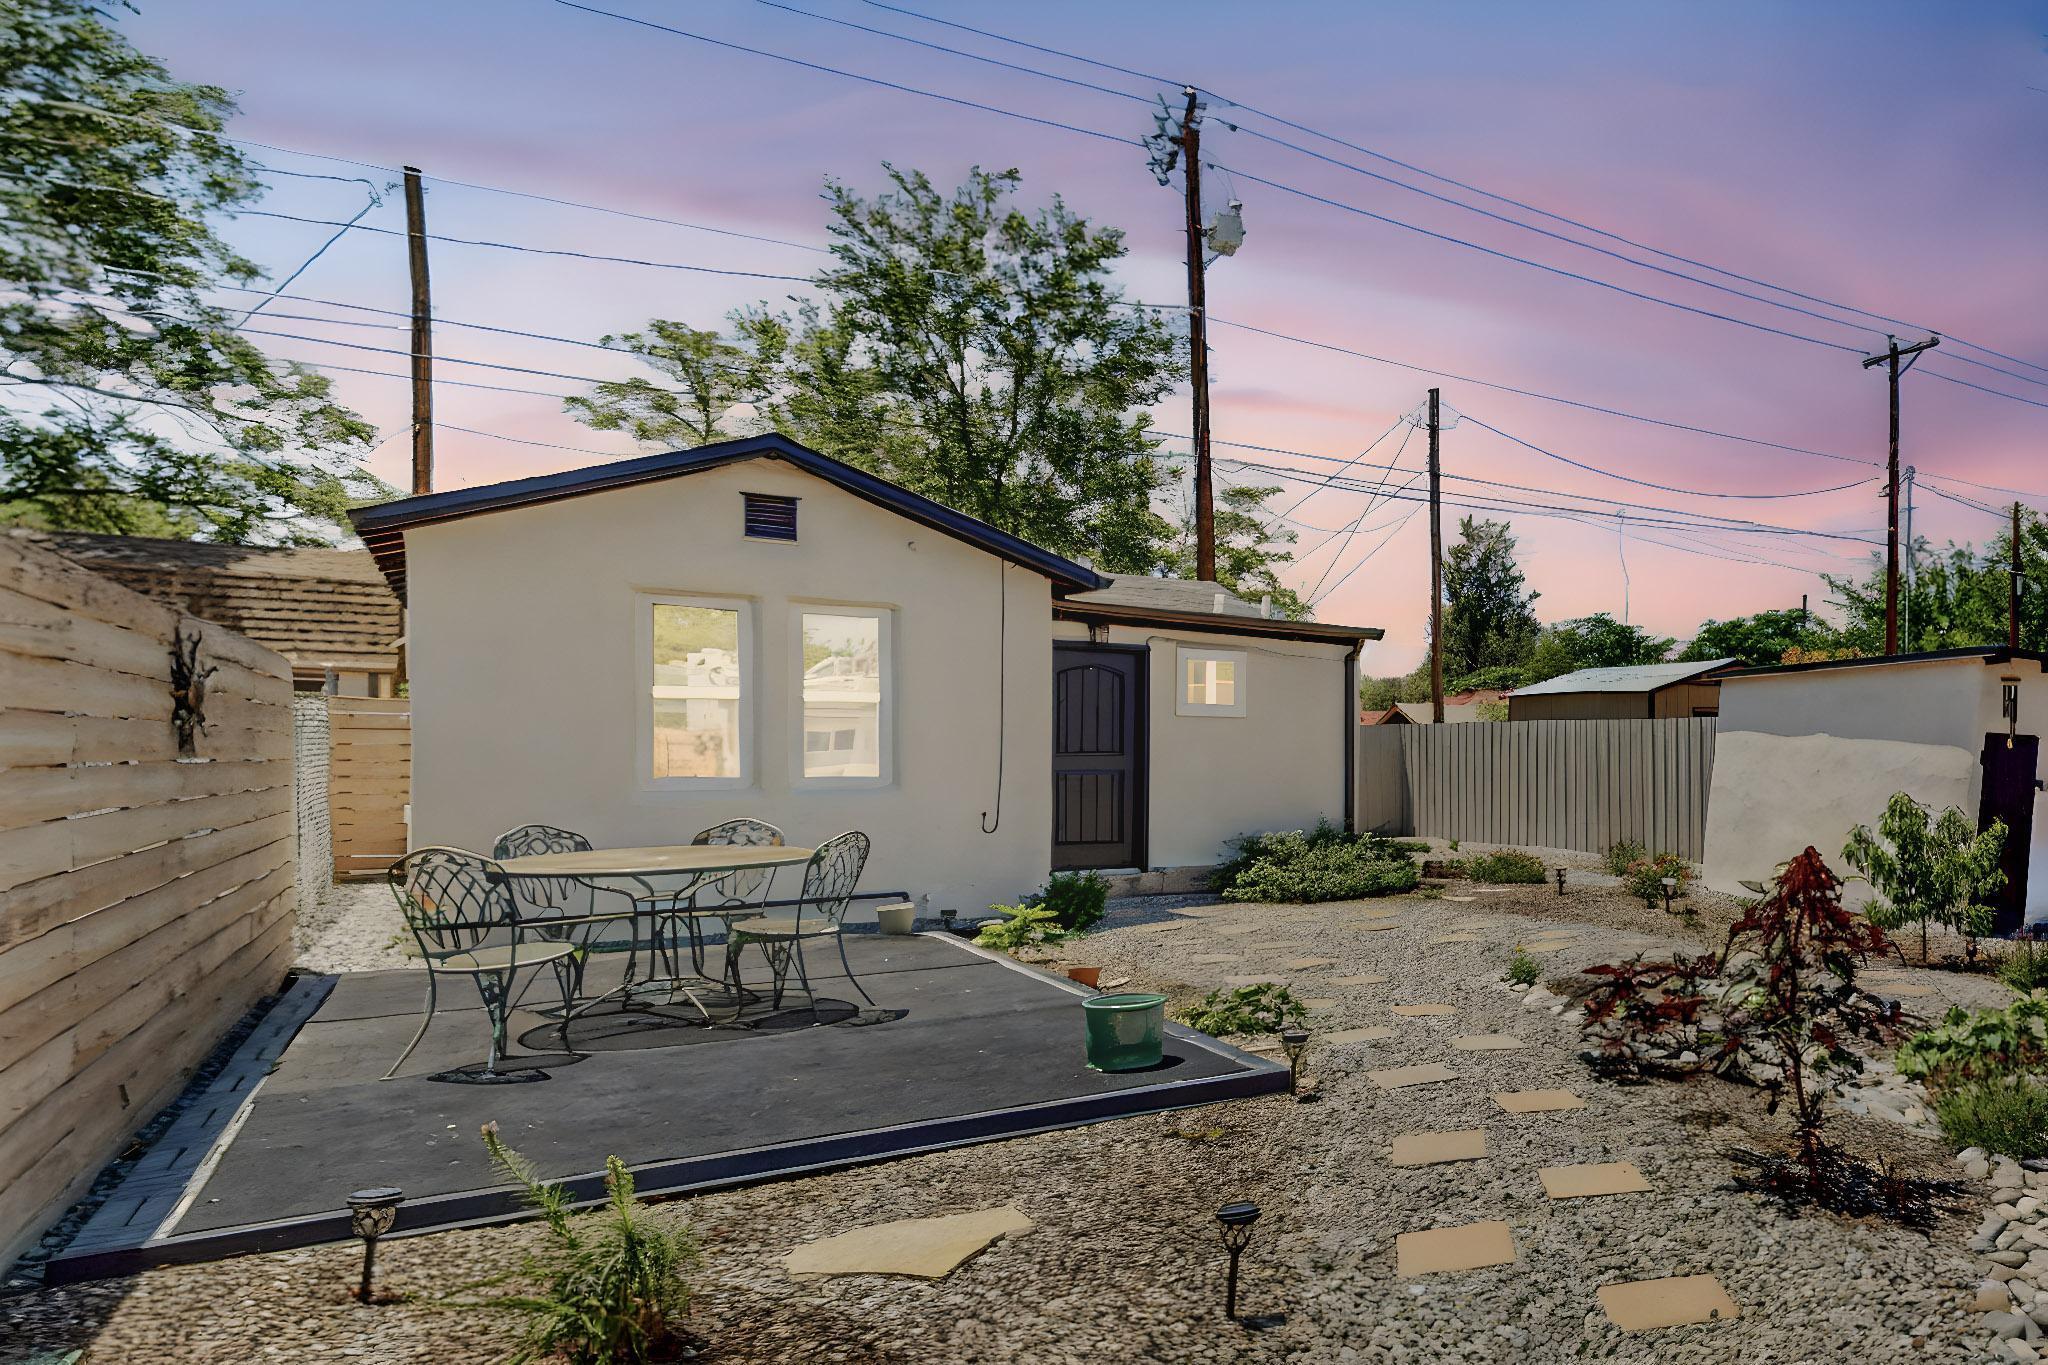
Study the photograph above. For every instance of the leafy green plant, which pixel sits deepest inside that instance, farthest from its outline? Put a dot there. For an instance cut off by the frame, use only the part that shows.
(2024, 969)
(1507, 865)
(1927, 869)
(1988, 1045)
(1266, 1007)
(1622, 852)
(613, 1283)
(1023, 926)
(2008, 1116)
(1247, 849)
(1523, 969)
(1452, 844)
(1076, 900)
(1645, 876)
(1327, 872)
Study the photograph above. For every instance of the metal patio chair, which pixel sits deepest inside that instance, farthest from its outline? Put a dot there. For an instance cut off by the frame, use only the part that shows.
(569, 908)
(467, 924)
(829, 881)
(722, 896)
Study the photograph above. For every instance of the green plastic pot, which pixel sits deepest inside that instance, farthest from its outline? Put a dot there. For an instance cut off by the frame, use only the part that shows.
(1125, 1032)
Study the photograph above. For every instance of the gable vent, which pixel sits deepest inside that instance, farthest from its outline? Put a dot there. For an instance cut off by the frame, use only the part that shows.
(770, 517)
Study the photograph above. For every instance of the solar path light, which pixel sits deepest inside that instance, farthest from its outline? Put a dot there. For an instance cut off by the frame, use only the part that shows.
(370, 1215)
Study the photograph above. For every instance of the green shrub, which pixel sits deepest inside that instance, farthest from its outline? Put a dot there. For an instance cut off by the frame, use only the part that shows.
(1645, 877)
(1023, 926)
(1523, 970)
(613, 1287)
(1989, 1045)
(1622, 852)
(1506, 866)
(1247, 849)
(1266, 1007)
(1999, 1116)
(1927, 868)
(2025, 969)
(1304, 872)
(1075, 899)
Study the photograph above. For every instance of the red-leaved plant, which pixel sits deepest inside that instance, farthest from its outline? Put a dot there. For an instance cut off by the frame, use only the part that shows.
(1793, 1005)
(1643, 1016)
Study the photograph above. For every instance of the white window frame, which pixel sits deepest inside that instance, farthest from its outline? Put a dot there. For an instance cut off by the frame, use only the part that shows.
(644, 604)
(1240, 661)
(885, 736)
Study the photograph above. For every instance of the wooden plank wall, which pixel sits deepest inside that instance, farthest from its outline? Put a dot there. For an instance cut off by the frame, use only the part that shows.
(369, 782)
(145, 897)
(1579, 784)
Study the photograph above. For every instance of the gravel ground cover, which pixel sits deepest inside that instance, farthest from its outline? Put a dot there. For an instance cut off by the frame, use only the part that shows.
(1122, 1259)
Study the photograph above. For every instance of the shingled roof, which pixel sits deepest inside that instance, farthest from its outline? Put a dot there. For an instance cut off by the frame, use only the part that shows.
(320, 608)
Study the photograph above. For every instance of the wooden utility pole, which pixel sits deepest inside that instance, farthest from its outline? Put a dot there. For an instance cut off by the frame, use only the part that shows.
(1436, 568)
(2012, 600)
(1198, 339)
(1890, 358)
(1912, 570)
(422, 336)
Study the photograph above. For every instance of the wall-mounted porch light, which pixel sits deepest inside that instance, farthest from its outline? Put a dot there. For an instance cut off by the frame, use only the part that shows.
(2009, 705)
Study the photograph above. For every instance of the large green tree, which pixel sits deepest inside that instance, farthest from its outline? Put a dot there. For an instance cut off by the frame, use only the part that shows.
(973, 351)
(1489, 617)
(1596, 641)
(1958, 596)
(1249, 549)
(128, 401)
(1760, 639)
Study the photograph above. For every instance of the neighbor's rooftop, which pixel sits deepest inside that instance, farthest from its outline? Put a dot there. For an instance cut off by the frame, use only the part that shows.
(1637, 678)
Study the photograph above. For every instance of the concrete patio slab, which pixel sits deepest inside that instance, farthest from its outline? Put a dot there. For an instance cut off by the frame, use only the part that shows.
(1401, 1077)
(1471, 1247)
(968, 1046)
(1586, 1182)
(929, 1248)
(1644, 1305)
(1432, 1149)
(1538, 1101)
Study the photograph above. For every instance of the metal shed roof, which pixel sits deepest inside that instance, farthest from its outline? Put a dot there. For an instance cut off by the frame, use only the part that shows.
(1635, 678)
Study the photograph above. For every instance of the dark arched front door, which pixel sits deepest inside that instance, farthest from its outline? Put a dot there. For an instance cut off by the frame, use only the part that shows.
(1098, 756)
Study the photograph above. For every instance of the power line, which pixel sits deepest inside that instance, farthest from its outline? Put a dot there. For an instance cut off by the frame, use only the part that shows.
(1660, 487)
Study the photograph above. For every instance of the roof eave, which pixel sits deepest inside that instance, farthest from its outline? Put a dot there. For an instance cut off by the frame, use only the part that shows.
(1276, 627)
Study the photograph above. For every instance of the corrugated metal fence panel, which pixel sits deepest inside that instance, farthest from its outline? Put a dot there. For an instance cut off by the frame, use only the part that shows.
(1582, 784)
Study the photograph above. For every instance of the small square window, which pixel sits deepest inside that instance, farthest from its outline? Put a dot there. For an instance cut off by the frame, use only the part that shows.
(1210, 682)
(769, 516)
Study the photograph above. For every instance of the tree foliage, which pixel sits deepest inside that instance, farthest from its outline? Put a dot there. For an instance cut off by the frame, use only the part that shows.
(1928, 869)
(973, 352)
(1489, 619)
(128, 402)
(1761, 639)
(1959, 595)
(1596, 641)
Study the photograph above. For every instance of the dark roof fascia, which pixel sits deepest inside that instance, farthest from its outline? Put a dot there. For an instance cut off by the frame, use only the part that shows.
(1989, 654)
(383, 526)
(1272, 627)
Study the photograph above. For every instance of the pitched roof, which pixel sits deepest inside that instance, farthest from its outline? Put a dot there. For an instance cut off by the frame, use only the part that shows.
(383, 526)
(320, 608)
(1989, 654)
(1168, 594)
(1195, 604)
(1635, 678)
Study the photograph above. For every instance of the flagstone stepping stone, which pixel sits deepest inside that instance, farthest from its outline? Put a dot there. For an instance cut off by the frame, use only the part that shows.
(1431, 1149)
(1538, 1101)
(1377, 926)
(1456, 938)
(1542, 947)
(1159, 928)
(1401, 1077)
(1371, 1034)
(1302, 964)
(1362, 979)
(1321, 1002)
(1643, 1305)
(1253, 980)
(1584, 1182)
(1424, 1011)
(926, 1247)
(1112, 983)
(1461, 1248)
(1900, 988)
(1238, 930)
(1462, 900)
(1487, 1042)
(1216, 959)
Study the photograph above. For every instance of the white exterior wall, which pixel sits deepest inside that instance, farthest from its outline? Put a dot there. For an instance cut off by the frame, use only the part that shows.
(1278, 766)
(1803, 757)
(527, 681)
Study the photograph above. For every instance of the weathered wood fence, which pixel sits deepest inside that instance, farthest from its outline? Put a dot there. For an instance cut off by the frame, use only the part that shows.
(369, 782)
(145, 884)
(1580, 784)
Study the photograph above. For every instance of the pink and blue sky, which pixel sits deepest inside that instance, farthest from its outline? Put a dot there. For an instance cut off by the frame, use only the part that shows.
(1886, 155)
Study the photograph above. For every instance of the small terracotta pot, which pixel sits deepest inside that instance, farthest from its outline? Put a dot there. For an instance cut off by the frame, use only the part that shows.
(1087, 976)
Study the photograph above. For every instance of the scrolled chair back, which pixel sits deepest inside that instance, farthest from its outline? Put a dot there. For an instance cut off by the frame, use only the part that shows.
(746, 832)
(562, 895)
(832, 875)
(452, 899)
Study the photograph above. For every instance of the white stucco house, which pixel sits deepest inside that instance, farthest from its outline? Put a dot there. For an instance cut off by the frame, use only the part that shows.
(1806, 751)
(641, 649)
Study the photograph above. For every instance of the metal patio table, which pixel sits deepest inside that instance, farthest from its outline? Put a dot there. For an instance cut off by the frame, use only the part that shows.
(690, 866)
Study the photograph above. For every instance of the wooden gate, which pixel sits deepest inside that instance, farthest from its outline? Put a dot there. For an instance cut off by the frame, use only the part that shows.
(369, 781)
